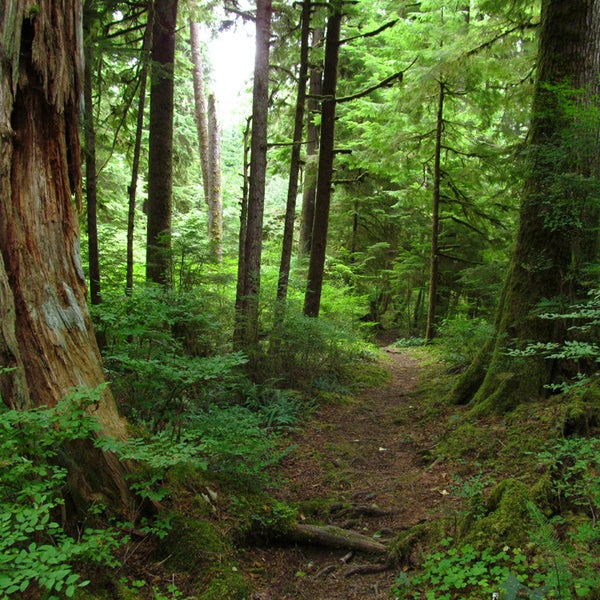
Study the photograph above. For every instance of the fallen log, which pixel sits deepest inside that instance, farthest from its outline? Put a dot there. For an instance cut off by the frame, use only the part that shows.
(334, 537)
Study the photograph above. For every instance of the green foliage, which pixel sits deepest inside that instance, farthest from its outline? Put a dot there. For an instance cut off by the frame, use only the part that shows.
(308, 350)
(411, 342)
(464, 571)
(463, 337)
(160, 354)
(262, 517)
(574, 464)
(35, 550)
(579, 349)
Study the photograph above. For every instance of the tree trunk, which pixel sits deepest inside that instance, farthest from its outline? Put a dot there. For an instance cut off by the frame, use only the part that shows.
(435, 219)
(290, 213)
(239, 292)
(46, 331)
(91, 176)
(250, 287)
(160, 159)
(139, 130)
(558, 220)
(200, 111)
(315, 90)
(312, 298)
(215, 201)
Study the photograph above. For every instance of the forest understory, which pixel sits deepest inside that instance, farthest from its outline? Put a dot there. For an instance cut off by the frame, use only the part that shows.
(437, 504)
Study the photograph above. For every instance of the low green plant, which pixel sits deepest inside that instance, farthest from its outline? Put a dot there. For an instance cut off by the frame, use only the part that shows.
(471, 489)
(35, 550)
(464, 571)
(581, 322)
(411, 342)
(304, 349)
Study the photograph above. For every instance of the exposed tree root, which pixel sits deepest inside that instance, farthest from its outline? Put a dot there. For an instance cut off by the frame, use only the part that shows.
(334, 537)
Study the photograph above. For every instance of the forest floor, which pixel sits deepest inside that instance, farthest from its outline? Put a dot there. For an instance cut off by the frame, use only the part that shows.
(363, 464)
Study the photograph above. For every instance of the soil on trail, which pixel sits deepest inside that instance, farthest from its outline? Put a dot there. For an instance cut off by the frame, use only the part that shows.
(364, 465)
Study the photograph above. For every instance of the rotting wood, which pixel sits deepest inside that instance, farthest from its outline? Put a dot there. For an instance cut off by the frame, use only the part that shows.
(334, 537)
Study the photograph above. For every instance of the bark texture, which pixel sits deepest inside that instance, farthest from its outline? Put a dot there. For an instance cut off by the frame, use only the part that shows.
(215, 201)
(434, 263)
(91, 175)
(200, 108)
(315, 89)
(160, 153)
(46, 330)
(557, 235)
(250, 274)
(137, 149)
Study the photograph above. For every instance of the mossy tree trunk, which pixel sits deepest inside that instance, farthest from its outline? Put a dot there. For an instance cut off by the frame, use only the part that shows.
(215, 208)
(557, 235)
(247, 301)
(160, 151)
(46, 334)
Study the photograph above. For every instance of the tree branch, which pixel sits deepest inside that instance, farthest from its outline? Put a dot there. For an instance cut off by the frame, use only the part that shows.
(491, 42)
(387, 82)
(370, 33)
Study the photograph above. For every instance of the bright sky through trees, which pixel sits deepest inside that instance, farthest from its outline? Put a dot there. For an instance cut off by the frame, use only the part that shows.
(232, 62)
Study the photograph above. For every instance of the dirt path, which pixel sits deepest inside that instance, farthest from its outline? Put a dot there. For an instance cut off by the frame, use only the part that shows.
(354, 461)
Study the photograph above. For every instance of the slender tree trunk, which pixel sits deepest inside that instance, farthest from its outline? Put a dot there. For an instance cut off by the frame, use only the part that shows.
(201, 111)
(315, 91)
(248, 317)
(239, 294)
(558, 225)
(137, 149)
(312, 298)
(215, 204)
(290, 213)
(91, 177)
(160, 159)
(45, 331)
(435, 219)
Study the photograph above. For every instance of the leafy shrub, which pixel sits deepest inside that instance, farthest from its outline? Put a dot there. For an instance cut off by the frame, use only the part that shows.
(160, 356)
(574, 465)
(463, 337)
(411, 342)
(305, 348)
(581, 322)
(35, 550)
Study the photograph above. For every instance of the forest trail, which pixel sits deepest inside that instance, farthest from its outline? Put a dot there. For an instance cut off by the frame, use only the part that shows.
(362, 465)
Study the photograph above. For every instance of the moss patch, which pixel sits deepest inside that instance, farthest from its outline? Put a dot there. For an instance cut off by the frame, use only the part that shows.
(507, 520)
